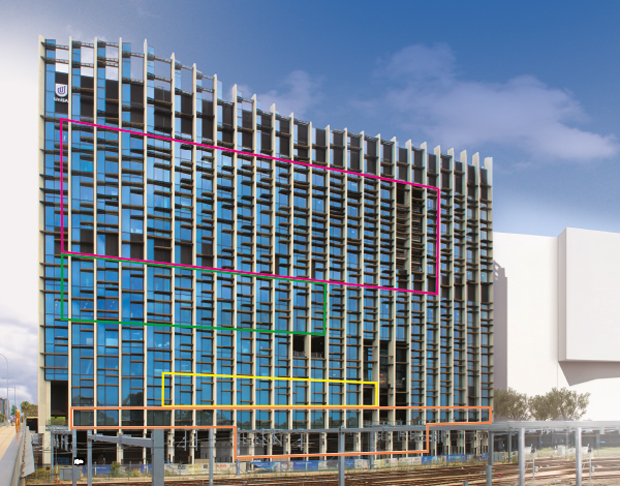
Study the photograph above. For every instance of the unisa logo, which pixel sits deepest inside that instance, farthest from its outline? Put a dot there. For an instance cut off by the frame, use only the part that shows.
(61, 93)
(61, 90)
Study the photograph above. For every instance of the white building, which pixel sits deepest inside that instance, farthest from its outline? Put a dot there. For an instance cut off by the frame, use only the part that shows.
(557, 318)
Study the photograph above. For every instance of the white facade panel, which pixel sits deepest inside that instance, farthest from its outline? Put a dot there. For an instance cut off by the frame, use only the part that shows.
(530, 265)
(556, 324)
(590, 286)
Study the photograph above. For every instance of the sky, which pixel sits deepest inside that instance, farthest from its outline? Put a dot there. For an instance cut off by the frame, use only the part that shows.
(534, 85)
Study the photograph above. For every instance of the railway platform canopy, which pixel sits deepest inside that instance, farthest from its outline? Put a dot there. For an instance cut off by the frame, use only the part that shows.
(575, 429)
(497, 427)
(521, 450)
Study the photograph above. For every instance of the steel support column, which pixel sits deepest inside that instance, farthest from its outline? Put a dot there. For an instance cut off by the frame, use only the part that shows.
(490, 459)
(341, 458)
(211, 455)
(521, 457)
(89, 458)
(157, 457)
(73, 454)
(578, 463)
(53, 441)
(373, 445)
(509, 446)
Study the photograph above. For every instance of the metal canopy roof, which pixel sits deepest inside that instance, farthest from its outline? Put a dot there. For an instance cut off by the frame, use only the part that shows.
(496, 427)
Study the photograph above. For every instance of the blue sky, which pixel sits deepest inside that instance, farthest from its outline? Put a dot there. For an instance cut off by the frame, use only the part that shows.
(532, 84)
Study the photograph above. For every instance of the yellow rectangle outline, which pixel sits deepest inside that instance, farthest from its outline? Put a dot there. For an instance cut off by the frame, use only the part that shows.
(283, 378)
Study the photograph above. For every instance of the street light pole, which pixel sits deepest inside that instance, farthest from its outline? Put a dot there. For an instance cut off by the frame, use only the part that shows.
(8, 409)
(15, 395)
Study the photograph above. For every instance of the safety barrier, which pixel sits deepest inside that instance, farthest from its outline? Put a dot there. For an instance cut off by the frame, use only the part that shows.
(13, 460)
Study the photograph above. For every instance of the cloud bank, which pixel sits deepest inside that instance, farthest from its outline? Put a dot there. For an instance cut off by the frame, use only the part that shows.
(523, 112)
(301, 93)
(19, 220)
(22, 353)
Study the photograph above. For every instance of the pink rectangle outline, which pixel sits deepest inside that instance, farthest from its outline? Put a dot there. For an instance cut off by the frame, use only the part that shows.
(303, 279)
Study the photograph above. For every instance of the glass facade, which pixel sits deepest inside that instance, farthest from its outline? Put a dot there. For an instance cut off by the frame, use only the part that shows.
(148, 199)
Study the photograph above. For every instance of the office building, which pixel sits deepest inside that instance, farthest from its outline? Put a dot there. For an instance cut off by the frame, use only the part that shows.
(555, 322)
(341, 207)
(4, 407)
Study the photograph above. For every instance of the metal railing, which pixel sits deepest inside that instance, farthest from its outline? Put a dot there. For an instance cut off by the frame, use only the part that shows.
(12, 462)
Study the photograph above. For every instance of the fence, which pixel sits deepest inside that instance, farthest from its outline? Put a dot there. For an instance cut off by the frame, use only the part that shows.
(268, 468)
(116, 470)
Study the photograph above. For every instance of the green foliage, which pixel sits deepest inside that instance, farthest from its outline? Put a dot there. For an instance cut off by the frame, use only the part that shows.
(560, 404)
(510, 404)
(557, 404)
(58, 421)
(540, 408)
(29, 409)
(115, 469)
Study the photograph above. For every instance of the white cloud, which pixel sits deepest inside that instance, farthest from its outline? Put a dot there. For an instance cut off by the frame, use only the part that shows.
(419, 62)
(522, 112)
(143, 9)
(20, 347)
(301, 94)
(19, 221)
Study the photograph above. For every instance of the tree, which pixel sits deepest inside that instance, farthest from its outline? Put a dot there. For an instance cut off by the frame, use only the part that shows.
(540, 409)
(559, 404)
(29, 409)
(115, 469)
(510, 404)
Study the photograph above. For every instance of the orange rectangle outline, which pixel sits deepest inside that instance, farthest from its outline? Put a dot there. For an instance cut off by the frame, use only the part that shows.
(272, 408)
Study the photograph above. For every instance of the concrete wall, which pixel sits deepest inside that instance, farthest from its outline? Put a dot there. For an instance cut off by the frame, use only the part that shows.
(531, 287)
(553, 307)
(589, 290)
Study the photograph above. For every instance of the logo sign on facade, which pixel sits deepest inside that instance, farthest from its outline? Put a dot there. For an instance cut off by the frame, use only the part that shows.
(61, 93)
(61, 90)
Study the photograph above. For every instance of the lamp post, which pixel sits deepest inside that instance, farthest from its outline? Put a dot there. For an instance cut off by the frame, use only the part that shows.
(15, 395)
(8, 409)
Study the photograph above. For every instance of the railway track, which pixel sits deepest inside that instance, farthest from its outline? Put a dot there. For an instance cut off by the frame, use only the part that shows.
(551, 472)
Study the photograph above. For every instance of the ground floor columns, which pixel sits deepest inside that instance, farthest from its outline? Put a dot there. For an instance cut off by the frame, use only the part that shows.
(192, 439)
(322, 443)
(144, 457)
(119, 453)
(251, 449)
(170, 445)
(373, 448)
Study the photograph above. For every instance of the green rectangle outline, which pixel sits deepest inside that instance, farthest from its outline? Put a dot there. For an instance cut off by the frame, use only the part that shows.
(99, 321)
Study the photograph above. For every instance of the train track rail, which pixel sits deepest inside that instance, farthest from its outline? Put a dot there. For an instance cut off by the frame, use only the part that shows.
(550, 472)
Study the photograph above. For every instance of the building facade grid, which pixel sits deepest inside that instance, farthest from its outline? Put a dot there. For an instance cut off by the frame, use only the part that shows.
(137, 197)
